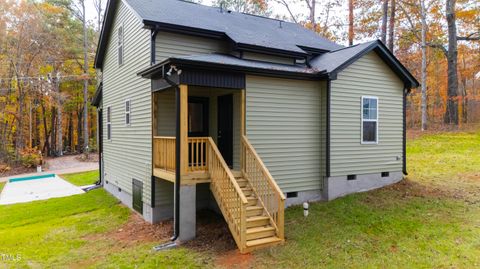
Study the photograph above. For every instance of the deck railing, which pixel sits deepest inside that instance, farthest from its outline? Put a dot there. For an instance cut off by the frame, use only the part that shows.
(264, 186)
(227, 192)
(164, 153)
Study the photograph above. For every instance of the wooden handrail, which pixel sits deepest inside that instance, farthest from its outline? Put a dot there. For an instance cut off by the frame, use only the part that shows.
(230, 198)
(264, 186)
(164, 153)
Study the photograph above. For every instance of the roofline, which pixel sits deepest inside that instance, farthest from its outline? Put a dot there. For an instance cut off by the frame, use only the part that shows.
(98, 95)
(387, 56)
(154, 69)
(103, 39)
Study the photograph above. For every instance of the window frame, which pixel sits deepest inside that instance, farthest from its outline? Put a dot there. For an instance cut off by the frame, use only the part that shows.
(121, 44)
(109, 123)
(129, 112)
(362, 120)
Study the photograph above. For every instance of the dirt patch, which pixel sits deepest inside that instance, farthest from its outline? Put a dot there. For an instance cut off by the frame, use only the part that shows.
(213, 234)
(234, 259)
(92, 157)
(137, 230)
(18, 170)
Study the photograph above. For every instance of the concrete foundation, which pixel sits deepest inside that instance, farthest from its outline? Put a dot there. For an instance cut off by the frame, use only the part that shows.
(188, 212)
(335, 187)
(304, 196)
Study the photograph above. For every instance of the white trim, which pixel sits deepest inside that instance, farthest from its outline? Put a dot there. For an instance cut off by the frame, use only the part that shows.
(368, 120)
(129, 112)
(109, 122)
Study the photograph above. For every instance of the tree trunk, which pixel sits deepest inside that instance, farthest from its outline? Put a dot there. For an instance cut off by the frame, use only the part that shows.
(53, 132)
(451, 113)
(391, 26)
(424, 64)
(46, 145)
(85, 81)
(79, 130)
(350, 23)
(59, 118)
(384, 22)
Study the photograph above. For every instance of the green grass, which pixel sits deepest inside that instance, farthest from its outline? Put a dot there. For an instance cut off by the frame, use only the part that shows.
(431, 220)
(73, 232)
(82, 179)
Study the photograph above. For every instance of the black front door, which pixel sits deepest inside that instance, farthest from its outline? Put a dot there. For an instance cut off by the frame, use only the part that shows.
(225, 127)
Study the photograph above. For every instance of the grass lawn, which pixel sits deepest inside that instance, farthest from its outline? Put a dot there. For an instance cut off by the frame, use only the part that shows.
(429, 220)
(82, 179)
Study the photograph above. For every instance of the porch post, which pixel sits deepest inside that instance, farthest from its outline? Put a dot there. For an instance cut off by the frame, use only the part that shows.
(183, 129)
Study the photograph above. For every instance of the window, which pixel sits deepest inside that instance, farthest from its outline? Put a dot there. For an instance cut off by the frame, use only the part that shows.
(369, 120)
(120, 45)
(109, 123)
(127, 112)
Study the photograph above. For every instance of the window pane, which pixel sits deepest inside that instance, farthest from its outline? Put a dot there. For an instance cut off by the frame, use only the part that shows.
(369, 131)
(365, 113)
(195, 118)
(373, 114)
(109, 131)
(127, 106)
(373, 103)
(127, 118)
(108, 114)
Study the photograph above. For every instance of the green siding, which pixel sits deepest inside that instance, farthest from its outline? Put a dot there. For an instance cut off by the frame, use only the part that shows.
(367, 76)
(128, 154)
(267, 58)
(170, 44)
(284, 126)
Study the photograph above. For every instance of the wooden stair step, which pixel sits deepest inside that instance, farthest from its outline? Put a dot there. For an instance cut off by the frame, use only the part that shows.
(247, 191)
(242, 182)
(252, 201)
(263, 241)
(257, 221)
(260, 232)
(254, 211)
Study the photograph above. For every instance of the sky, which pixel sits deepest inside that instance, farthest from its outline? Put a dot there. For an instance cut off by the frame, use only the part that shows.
(278, 9)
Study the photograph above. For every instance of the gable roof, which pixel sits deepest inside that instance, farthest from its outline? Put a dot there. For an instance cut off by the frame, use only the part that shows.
(244, 30)
(335, 61)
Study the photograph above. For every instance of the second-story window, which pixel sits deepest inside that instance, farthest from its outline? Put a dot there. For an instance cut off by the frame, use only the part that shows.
(127, 112)
(120, 44)
(109, 123)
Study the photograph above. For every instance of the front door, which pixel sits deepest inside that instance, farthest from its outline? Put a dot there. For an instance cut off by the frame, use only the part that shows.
(225, 127)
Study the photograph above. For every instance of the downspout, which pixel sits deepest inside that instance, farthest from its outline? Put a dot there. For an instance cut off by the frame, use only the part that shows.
(176, 217)
(153, 37)
(327, 150)
(406, 91)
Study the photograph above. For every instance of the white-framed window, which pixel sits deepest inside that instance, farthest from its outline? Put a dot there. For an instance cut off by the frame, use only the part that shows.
(128, 108)
(120, 45)
(109, 123)
(369, 131)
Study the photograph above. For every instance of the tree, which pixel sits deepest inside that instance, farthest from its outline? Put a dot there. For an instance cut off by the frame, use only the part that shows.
(423, 15)
(391, 25)
(384, 22)
(350, 23)
(256, 7)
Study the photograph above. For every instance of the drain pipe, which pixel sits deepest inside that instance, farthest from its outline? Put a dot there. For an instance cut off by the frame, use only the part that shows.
(176, 218)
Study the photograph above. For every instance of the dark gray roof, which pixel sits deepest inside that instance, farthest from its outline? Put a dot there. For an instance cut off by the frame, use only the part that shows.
(232, 63)
(334, 59)
(239, 27)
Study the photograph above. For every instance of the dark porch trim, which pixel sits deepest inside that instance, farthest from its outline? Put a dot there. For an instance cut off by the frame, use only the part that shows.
(327, 149)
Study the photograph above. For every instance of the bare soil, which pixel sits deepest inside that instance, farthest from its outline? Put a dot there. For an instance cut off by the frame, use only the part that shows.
(17, 170)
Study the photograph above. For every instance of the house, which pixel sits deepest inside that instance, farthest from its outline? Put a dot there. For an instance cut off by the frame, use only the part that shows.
(201, 107)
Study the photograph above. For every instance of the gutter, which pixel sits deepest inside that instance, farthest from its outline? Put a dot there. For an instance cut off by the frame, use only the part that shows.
(406, 91)
(327, 150)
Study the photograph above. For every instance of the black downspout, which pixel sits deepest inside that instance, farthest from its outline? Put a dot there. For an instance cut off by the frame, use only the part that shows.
(100, 145)
(404, 142)
(177, 165)
(327, 157)
(153, 36)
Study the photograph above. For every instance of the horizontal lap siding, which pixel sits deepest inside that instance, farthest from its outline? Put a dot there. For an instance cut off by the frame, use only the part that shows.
(169, 44)
(284, 126)
(367, 76)
(128, 154)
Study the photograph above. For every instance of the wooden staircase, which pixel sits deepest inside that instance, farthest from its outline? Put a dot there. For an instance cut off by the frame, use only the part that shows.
(251, 202)
(259, 233)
